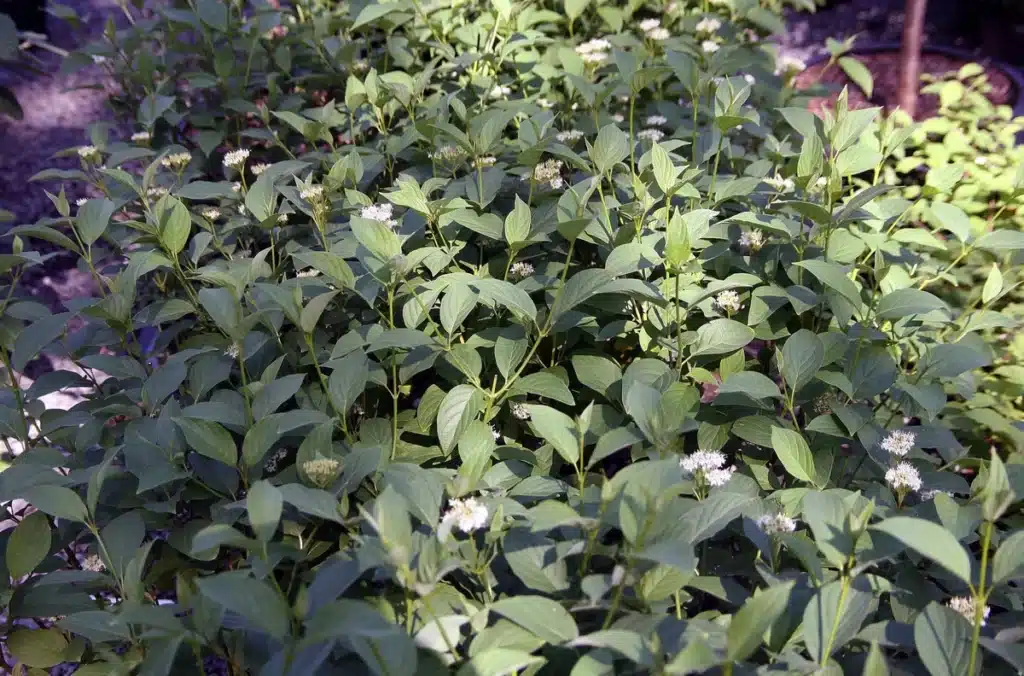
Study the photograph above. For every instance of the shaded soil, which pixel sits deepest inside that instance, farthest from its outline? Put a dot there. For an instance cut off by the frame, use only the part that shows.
(885, 70)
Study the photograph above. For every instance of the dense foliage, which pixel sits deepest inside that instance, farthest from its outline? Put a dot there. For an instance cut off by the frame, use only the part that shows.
(496, 339)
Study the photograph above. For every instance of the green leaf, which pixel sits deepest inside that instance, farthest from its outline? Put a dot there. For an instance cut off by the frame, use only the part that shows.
(458, 408)
(993, 285)
(93, 218)
(751, 621)
(834, 617)
(677, 242)
(579, 288)
(264, 504)
(258, 440)
(722, 336)
(905, 302)
(950, 217)
(456, 305)
(794, 453)
(348, 380)
(802, 356)
(57, 501)
(834, 277)
(28, 545)
(274, 394)
(543, 384)
(36, 337)
(543, 617)
(942, 638)
(173, 224)
(38, 648)
(610, 147)
(209, 439)
(999, 241)
(1008, 563)
(665, 173)
(517, 223)
(254, 600)
(500, 662)
(557, 429)
(859, 73)
(261, 198)
(931, 541)
(313, 310)
(330, 264)
(875, 664)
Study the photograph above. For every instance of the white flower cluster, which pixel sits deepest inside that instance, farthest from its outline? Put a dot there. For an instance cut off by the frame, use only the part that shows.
(322, 471)
(521, 270)
(904, 477)
(211, 213)
(656, 120)
(236, 186)
(258, 168)
(749, 79)
(382, 213)
(89, 153)
(709, 46)
(93, 564)
(307, 273)
(176, 161)
(466, 515)
(772, 524)
(550, 172)
(520, 411)
(707, 466)
(594, 51)
(898, 443)
(752, 240)
(652, 134)
(141, 137)
(789, 65)
(485, 161)
(545, 103)
(448, 153)
(80, 202)
(312, 193)
(569, 136)
(499, 91)
(728, 301)
(653, 29)
(156, 191)
(236, 158)
(965, 606)
(708, 25)
(781, 184)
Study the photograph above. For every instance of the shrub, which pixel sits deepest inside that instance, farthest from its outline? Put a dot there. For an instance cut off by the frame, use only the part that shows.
(462, 338)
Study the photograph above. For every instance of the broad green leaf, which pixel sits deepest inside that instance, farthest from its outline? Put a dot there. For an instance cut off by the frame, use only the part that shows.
(993, 285)
(28, 545)
(721, 336)
(802, 356)
(253, 599)
(458, 408)
(794, 453)
(931, 541)
(173, 224)
(274, 394)
(93, 218)
(209, 439)
(834, 616)
(38, 648)
(264, 504)
(859, 73)
(544, 384)
(348, 380)
(543, 617)
(517, 223)
(751, 621)
(610, 147)
(942, 638)
(557, 429)
(1008, 563)
(834, 277)
(57, 501)
(905, 302)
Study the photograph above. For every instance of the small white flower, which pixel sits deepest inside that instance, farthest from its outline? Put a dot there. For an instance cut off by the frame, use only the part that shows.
(653, 135)
(242, 210)
(594, 51)
(702, 461)
(141, 137)
(772, 524)
(658, 34)
(520, 411)
(448, 153)
(545, 103)
(98, 59)
(211, 213)
(236, 187)
(728, 301)
(648, 25)
(322, 471)
(259, 168)
(750, 79)
(619, 117)
(156, 191)
(312, 193)
(899, 443)
(499, 91)
(485, 161)
(466, 515)
(656, 120)
(271, 464)
(719, 477)
(904, 477)
(236, 158)
(233, 350)
(752, 240)
(521, 270)
(495, 433)
(550, 172)
(930, 493)
(569, 136)
(965, 606)
(980, 161)
(89, 153)
(789, 65)
(308, 272)
(80, 202)
(709, 46)
(176, 161)
(781, 184)
(382, 213)
(282, 219)
(93, 564)
(708, 25)
(361, 66)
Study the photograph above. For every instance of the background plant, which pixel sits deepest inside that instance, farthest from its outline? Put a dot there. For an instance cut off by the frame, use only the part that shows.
(495, 338)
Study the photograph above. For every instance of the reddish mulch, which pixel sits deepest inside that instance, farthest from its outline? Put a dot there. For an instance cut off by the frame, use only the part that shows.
(885, 69)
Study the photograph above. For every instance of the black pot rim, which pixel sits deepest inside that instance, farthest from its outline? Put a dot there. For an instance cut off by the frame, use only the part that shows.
(1016, 77)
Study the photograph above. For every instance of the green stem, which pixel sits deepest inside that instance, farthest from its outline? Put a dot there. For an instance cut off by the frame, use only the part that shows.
(980, 597)
(835, 622)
